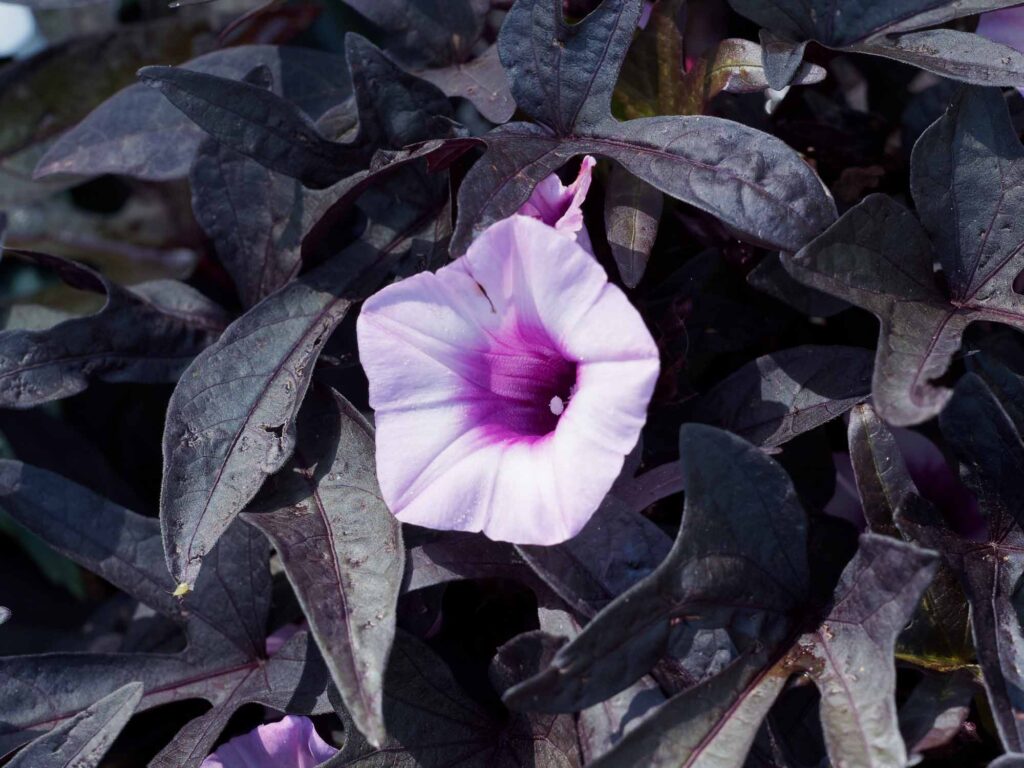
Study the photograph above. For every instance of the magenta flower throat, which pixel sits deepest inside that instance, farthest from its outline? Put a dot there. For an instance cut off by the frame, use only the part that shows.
(507, 387)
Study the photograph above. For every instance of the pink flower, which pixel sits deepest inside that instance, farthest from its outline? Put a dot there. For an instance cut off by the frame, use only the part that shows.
(1005, 26)
(645, 14)
(508, 386)
(288, 743)
(562, 207)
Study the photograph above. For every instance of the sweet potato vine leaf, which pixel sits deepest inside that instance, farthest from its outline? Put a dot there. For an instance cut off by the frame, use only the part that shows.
(898, 30)
(738, 563)
(224, 620)
(432, 723)
(395, 109)
(654, 80)
(776, 397)
(849, 655)
(967, 174)
(341, 549)
(138, 133)
(147, 333)
(231, 419)
(983, 426)
(81, 741)
(940, 634)
(563, 76)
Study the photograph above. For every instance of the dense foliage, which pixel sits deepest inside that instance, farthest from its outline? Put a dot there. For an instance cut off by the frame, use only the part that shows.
(812, 556)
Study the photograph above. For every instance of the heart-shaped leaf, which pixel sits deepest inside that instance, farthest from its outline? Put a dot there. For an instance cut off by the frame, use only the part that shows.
(882, 29)
(981, 428)
(341, 549)
(147, 333)
(774, 398)
(83, 740)
(138, 133)
(224, 619)
(849, 657)
(563, 76)
(739, 562)
(966, 181)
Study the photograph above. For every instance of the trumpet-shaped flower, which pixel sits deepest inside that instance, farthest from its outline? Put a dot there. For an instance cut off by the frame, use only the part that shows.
(508, 386)
(561, 206)
(288, 743)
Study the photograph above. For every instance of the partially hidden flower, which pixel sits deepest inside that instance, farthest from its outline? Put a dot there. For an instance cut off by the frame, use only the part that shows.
(935, 480)
(288, 743)
(561, 206)
(1004, 26)
(508, 386)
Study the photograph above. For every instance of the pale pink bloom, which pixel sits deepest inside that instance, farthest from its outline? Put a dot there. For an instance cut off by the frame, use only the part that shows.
(508, 386)
(560, 206)
(288, 743)
(1004, 26)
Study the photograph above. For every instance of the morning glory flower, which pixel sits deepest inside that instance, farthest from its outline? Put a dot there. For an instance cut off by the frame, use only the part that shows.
(561, 206)
(508, 386)
(288, 743)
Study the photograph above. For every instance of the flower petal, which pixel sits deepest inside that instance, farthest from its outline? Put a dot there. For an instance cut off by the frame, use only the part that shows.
(560, 206)
(508, 387)
(288, 743)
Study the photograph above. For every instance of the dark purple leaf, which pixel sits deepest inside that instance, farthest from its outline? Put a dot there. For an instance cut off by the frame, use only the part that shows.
(774, 398)
(224, 619)
(231, 420)
(341, 549)
(427, 33)
(978, 426)
(772, 278)
(45, 94)
(433, 724)
(878, 28)
(937, 710)
(940, 634)
(395, 109)
(83, 740)
(563, 76)
(615, 550)
(781, 59)
(147, 333)
(458, 556)
(137, 132)
(739, 561)
(849, 657)
(632, 210)
(967, 171)
(482, 81)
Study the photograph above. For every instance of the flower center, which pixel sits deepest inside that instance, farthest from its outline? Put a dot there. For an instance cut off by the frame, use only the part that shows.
(524, 386)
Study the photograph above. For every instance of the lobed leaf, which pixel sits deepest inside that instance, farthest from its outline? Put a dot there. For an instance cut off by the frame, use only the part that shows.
(147, 333)
(341, 549)
(564, 76)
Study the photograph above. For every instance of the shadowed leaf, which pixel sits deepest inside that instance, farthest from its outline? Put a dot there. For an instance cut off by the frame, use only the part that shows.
(563, 76)
(433, 724)
(774, 398)
(395, 109)
(147, 333)
(138, 133)
(739, 562)
(978, 426)
(966, 183)
(879, 29)
(223, 617)
(82, 741)
(341, 549)
(632, 209)
(849, 657)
